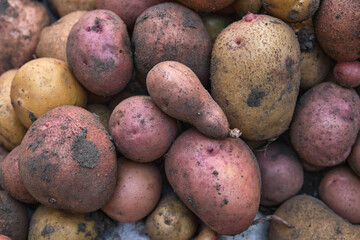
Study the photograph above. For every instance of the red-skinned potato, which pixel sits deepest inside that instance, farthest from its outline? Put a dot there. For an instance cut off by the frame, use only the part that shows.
(3, 237)
(99, 53)
(325, 124)
(11, 180)
(141, 131)
(137, 191)
(347, 74)
(68, 161)
(219, 180)
(340, 190)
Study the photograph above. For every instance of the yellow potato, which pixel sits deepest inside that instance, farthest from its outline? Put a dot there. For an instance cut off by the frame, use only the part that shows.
(63, 7)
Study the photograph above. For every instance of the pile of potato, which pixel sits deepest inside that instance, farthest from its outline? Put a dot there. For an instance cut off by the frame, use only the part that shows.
(188, 115)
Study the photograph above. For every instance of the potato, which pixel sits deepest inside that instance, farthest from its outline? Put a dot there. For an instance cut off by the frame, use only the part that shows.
(178, 92)
(64, 7)
(68, 160)
(205, 5)
(21, 22)
(347, 74)
(215, 23)
(54, 224)
(282, 175)
(305, 33)
(219, 180)
(101, 111)
(141, 131)
(11, 180)
(290, 10)
(11, 129)
(14, 219)
(53, 38)
(3, 237)
(325, 124)
(340, 190)
(255, 75)
(137, 191)
(171, 219)
(312, 220)
(99, 53)
(48, 81)
(242, 7)
(128, 11)
(354, 158)
(206, 234)
(337, 29)
(169, 31)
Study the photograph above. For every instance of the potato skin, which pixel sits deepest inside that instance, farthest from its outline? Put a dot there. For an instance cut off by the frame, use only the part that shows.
(20, 27)
(11, 129)
(99, 53)
(137, 191)
(256, 91)
(354, 158)
(325, 124)
(347, 74)
(219, 180)
(68, 160)
(282, 175)
(169, 31)
(337, 24)
(206, 5)
(141, 131)
(64, 7)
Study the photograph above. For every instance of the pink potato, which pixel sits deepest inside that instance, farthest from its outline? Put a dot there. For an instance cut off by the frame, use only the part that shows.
(141, 131)
(340, 190)
(67, 160)
(282, 175)
(347, 74)
(99, 53)
(218, 180)
(325, 124)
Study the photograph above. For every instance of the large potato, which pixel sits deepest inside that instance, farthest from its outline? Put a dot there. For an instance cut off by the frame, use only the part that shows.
(255, 75)
(68, 160)
(219, 180)
(325, 124)
(21, 22)
(48, 81)
(99, 53)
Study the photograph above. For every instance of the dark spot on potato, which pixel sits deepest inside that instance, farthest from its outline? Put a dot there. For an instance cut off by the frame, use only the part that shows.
(35, 144)
(81, 227)
(188, 20)
(338, 230)
(192, 202)
(215, 172)
(305, 39)
(47, 231)
(224, 202)
(266, 4)
(32, 116)
(167, 222)
(292, 14)
(142, 18)
(4, 4)
(85, 152)
(217, 186)
(88, 234)
(275, 22)
(255, 96)
(99, 66)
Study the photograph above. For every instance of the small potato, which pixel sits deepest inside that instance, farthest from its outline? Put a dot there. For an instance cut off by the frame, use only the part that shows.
(64, 7)
(282, 175)
(340, 190)
(55, 224)
(291, 10)
(11, 180)
(99, 53)
(11, 129)
(14, 220)
(171, 219)
(137, 191)
(141, 131)
(325, 124)
(53, 38)
(48, 81)
(21, 23)
(206, 5)
(206, 234)
(347, 74)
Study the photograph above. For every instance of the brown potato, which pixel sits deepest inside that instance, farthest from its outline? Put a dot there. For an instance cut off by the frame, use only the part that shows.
(206, 5)
(312, 220)
(21, 23)
(255, 75)
(242, 7)
(137, 191)
(53, 38)
(206, 234)
(340, 190)
(218, 180)
(171, 219)
(48, 81)
(178, 92)
(64, 7)
(11, 129)
(291, 10)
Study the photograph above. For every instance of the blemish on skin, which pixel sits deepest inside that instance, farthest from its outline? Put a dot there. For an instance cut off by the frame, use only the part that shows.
(215, 173)
(47, 231)
(192, 202)
(254, 99)
(52, 200)
(32, 116)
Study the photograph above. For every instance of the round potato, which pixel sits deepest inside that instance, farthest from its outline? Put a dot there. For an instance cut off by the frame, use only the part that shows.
(11, 129)
(347, 74)
(64, 7)
(48, 81)
(137, 191)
